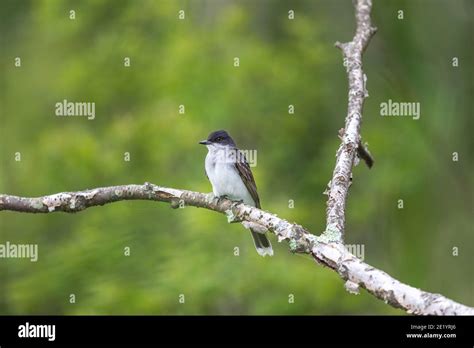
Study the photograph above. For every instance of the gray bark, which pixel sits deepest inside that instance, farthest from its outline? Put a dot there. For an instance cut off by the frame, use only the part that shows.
(338, 187)
(334, 255)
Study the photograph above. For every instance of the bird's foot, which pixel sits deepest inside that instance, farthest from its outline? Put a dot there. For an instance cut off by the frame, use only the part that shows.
(231, 217)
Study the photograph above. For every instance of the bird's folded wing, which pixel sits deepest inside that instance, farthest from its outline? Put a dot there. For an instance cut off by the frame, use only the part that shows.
(245, 173)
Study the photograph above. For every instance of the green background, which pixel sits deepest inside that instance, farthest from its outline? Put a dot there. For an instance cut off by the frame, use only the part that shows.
(190, 62)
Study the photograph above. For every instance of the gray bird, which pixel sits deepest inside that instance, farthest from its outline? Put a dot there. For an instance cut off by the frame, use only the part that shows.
(229, 173)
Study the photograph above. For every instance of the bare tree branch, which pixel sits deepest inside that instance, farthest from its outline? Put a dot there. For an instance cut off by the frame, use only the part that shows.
(350, 135)
(334, 255)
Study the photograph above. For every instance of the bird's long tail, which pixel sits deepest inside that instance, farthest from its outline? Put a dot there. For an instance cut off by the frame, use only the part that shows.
(262, 244)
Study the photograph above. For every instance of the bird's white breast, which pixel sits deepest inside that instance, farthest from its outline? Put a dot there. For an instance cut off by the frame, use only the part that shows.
(224, 177)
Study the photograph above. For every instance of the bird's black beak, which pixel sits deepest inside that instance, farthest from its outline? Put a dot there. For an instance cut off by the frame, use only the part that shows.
(204, 142)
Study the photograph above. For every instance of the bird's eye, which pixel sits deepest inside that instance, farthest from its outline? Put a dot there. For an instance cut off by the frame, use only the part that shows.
(219, 138)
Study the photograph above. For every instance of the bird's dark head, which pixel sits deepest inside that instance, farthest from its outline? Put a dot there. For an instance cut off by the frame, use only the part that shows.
(220, 137)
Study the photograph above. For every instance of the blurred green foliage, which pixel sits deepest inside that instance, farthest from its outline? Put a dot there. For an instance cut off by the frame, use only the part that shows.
(190, 62)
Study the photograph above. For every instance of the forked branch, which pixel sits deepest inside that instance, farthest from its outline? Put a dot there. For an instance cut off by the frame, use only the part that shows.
(300, 240)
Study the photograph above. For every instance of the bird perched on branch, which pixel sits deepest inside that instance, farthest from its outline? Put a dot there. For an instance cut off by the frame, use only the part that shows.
(229, 173)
